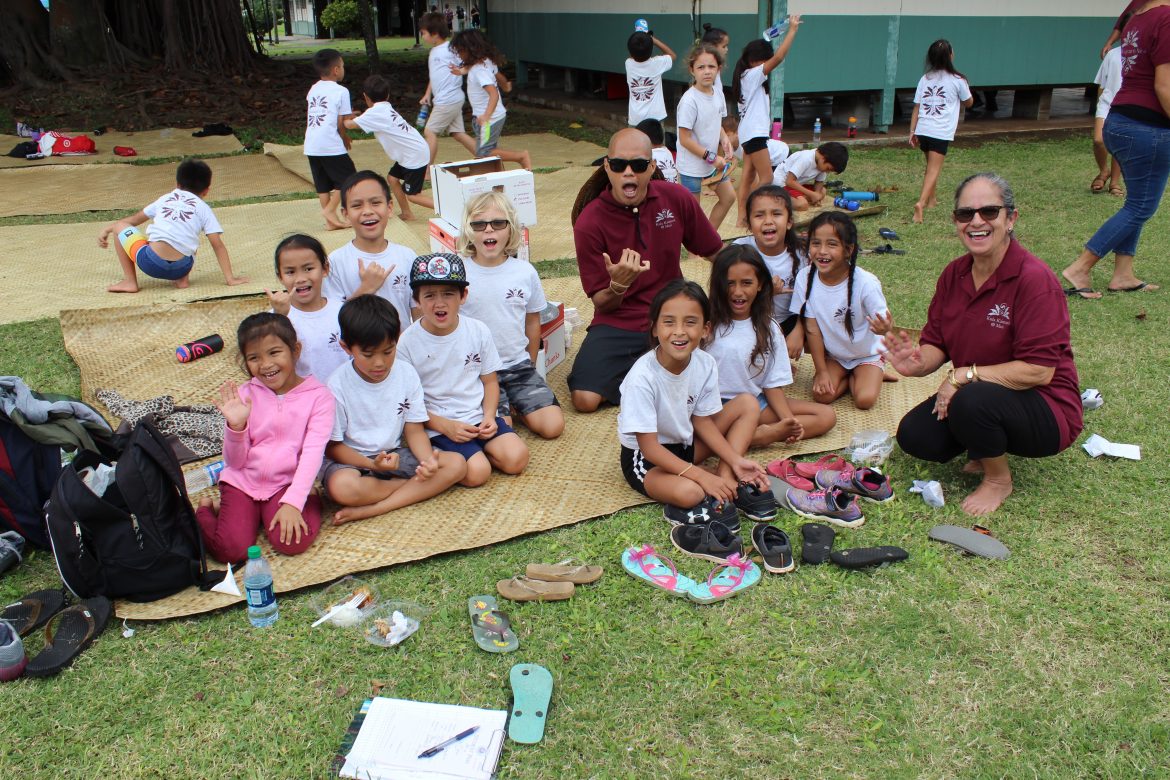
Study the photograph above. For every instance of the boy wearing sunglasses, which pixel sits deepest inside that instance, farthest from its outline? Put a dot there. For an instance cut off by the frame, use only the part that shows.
(628, 238)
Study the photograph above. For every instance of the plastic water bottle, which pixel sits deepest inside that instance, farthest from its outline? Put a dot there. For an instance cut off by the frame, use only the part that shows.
(262, 609)
(777, 128)
(852, 127)
(849, 205)
(860, 195)
(423, 113)
(204, 477)
(776, 31)
(817, 131)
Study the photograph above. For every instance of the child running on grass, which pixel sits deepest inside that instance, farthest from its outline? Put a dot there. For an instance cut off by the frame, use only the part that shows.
(505, 294)
(481, 63)
(750, 88)
(326, 142)
(402, 144)
(672, 419)
(773, 236)
(941, 91)
(379, 456)
(444, 89)
(748, 348)
(277, 426)
(167, 251)
(838, 303)
(703, 148)
(301, 266)
(456, 359)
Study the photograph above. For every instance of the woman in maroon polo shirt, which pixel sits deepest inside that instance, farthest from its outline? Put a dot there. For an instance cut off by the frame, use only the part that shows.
(1000, 316)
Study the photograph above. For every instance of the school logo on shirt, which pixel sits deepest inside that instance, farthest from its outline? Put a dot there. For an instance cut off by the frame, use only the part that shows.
(517, 296)
(318, 110)
(399, 280)
(397, 120)
(403, 407)
(690, 402)
(1000, 316)
(472, 360)
(1129, 44)
(178, 207)
(642, 89)
(334, 338)
(664, 219)
(934, 100)
(841, 313)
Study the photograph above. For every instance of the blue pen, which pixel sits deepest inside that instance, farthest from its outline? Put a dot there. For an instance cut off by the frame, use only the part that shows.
(439, 748)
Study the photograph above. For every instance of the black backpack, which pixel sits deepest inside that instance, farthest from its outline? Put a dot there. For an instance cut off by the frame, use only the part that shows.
(140, 540)
(28, 470)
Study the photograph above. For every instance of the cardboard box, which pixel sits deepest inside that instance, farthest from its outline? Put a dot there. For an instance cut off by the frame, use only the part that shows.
(553, 343)
(455, 183)
(444, 236)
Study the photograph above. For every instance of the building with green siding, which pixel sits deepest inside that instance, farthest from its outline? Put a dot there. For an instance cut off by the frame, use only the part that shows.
(858, 51)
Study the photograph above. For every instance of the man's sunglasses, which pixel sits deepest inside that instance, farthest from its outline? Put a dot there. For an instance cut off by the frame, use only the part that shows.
(480, 225)
(986, 213)
(638, 164)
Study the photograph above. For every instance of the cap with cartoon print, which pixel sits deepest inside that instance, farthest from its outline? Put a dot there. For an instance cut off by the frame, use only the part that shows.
(438, 268)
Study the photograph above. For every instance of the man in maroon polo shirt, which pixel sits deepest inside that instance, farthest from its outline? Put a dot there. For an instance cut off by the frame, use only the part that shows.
(629, 240)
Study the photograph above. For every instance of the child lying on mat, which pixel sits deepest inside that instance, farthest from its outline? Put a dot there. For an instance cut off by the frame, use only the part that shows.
(272, 416)
(167, 251)
(379, 457)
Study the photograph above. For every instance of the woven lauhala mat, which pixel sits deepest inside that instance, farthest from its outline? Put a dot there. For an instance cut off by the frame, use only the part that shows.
(66, 189)
(47, 268)
(167, 142)
(571, 479)
(547, 150)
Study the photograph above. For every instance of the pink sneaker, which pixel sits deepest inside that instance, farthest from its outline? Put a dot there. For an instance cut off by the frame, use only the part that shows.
(865, 483)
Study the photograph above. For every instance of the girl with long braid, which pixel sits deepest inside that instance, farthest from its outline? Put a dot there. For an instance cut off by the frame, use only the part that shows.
(840, 306)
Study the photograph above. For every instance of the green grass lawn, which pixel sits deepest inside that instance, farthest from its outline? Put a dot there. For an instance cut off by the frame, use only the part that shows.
(300, 48)
(1051, 664)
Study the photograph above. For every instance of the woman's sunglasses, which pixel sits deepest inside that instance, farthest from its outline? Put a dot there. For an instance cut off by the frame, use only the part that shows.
(480, 225)
(986, 213)
(638, 164)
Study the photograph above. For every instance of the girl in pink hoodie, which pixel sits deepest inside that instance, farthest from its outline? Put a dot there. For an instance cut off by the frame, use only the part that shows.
(278, 424)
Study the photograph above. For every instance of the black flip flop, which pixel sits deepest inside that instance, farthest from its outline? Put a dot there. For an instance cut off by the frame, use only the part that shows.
(887, 249)
(1082, 292)
(775, 548)
(76, 628)
(864, 557)
(818, 541)
(888, 234)
(1135, 288)
(34, 610)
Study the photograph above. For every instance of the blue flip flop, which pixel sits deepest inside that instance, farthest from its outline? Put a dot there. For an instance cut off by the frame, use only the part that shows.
(730, 579)
(490, 627)
(644, 563)
(532, 687)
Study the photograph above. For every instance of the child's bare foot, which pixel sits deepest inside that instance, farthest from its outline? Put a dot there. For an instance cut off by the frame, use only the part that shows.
(406, 216)
(988, 497)
(526, 161)
(932, 203)
(182, 284)
(973, 467)
(918, 213)
(123, 287)
(347, 514)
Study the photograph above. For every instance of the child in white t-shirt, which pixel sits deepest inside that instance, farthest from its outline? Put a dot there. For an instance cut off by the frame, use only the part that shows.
(672, 419)
(749, 83)
(749, 349)
(504, 293)
(1108, 78)
(481, 62)
(663, 159)
(326, 142)
(704, 151)
(941, 92)
(444, 89)
(804, 173)
(457, 361)
(167, 250)
(401, 142)
(370, 263)
(379, 457)
(301, 266)
(644, 77)
(840, 304)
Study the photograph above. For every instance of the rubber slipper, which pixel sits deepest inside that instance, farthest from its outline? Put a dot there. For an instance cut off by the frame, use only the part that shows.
(491, 628)
(970, 541)
(809, 470)
(730, 579)
(526, 589)
(785, 470)
(560, 572)
(888, 234)
(775, 547)
(532, 687)
(34, 610)
(68, 634)
(646, 564)
(887, 249)
(1083, 292)
(817, 542)
(1136, 288)
(865, 557)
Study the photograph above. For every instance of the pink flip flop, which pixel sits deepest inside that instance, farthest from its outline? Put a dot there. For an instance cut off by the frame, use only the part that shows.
(827, 463)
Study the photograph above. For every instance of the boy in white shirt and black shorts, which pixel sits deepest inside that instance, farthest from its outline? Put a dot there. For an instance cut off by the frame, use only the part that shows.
(445, 89)
(326, 144)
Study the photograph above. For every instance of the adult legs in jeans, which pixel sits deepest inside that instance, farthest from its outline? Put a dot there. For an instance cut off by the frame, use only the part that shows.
(1143, 151)
(989, 421)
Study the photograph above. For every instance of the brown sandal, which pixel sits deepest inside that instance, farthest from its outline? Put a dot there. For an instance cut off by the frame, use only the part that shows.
(1116, 191)
(1099, 184)
(525, 589)
(560, 572)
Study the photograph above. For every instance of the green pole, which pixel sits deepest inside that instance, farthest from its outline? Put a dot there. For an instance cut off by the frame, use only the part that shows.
(776, 85)
(885, 118)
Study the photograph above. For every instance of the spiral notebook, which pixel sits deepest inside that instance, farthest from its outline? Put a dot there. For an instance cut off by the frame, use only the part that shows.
(393, 732)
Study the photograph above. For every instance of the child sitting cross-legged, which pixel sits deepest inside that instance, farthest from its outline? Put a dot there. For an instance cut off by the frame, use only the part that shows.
(505, 294)
(456, 359)
(672, 419)
(379, 456)
(275, 415)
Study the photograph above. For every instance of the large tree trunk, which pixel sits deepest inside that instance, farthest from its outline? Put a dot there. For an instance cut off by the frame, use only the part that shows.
(205, 36)
(25, 54)
(367, 15)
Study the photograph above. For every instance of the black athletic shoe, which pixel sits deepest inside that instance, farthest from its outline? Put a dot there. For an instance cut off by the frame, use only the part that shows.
(713, 541)
(704, 512)
(756, 504)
